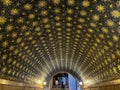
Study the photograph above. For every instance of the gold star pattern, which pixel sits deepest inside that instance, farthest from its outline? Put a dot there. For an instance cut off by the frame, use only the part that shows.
(56, 1)
(44, 12)
(95, 17)
(5, 44)
(27, 6)
(100, 8)
(9, 27)
(69, 11)
(83, 13)
(7, 2)
(2, 19)
(71, 2)
(85, 3)
(110, 23)
(37, 38)
(14, 11)
(116, 38)
(42, 4)
(115, 13)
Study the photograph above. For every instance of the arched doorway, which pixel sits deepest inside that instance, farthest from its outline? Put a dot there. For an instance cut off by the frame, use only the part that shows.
(64, 81)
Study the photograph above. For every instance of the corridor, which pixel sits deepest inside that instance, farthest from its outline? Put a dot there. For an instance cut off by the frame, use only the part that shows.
(41, 38)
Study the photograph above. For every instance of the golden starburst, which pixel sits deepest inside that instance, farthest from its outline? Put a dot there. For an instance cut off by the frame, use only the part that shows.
(92, 24)
(71, 2)
(4, 57)
(20, 20)
(81, 20)
(2, 19)
(104, 30)
(27, 6)
(44, 12)
(57, 18)
(42, 4)
(56, 1)
(101, 36)
(9, 27)
(110, 23)
(85, 3)
(69, 18)
(5, 44)
(116, 37)
(7, 2)
(83, 13)
(95, 17)
(14, 35)
(31, 16)
(57, 10)
(4, 69)
(69, 11)
(100, 8)
(45, 20)
(115, 13)
(14, 11)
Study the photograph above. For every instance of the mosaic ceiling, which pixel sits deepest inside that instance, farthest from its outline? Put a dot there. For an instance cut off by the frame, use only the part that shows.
(41, 37)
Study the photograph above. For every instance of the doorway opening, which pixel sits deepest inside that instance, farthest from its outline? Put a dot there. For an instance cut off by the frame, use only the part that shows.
(64, 81)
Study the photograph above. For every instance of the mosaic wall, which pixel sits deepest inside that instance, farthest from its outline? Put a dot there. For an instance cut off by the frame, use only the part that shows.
(41, 37)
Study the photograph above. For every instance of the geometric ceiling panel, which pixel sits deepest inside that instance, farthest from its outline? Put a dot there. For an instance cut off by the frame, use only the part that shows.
(39, 38)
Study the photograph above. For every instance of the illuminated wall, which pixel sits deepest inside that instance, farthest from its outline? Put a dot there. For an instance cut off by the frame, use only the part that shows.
(39, 38)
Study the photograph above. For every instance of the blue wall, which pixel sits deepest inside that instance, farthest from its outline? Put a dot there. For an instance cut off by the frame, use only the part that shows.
(72, 82)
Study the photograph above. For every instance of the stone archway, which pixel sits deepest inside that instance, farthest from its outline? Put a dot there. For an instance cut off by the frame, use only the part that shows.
(68, 83)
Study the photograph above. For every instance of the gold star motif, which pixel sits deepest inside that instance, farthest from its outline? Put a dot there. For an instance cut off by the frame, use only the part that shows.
(57, 10)
(101, 36)
(115, 13)
(85, 3)
(14, 11)
(83, 13)
(2, 19)
(9, 27)
(110, 23)
(7, 2)
(44, 12)
(95, 17)
(69, 18)
(56, 1)
(45, 20)
(4, 57)
(111, 6)
(14, 35)
(20, 20)
(4, 69)
(42, 4)
(57, 18)
(115, 37)
(81, 20)
(71, 2)
(69, 11)
(31, 16)
(100, 8)
(5, 44)
(92, 24)
(105, 30)
(19, 40)
(27, 6)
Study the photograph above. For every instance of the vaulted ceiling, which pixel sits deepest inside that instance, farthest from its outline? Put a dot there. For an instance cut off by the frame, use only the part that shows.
(39, 38)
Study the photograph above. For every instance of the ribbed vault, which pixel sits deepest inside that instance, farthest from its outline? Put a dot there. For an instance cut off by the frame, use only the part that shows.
(41, 37)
